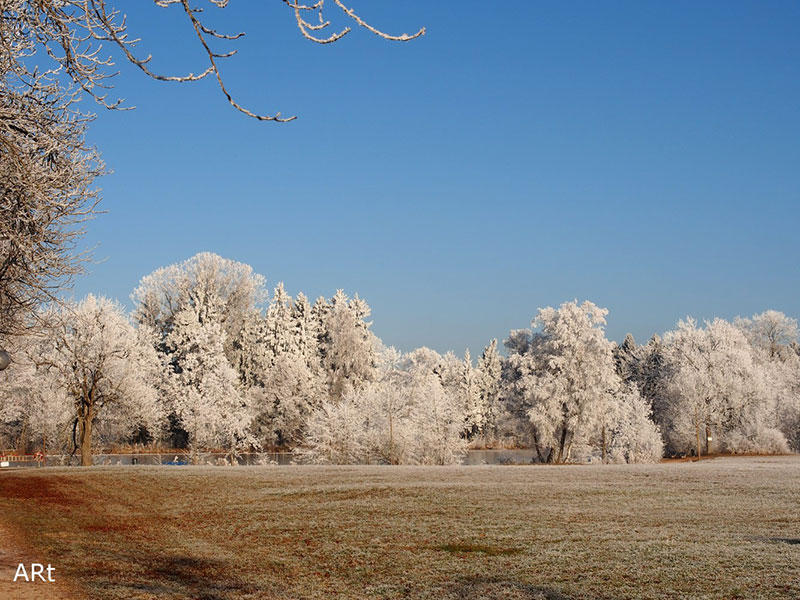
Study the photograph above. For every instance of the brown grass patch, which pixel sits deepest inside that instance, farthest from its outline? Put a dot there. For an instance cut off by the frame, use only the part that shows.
(40, 490)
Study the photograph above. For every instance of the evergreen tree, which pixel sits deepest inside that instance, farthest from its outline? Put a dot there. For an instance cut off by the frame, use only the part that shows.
(204, 388)
(489, 373)
(627, 358)
(470, 395)
(347, 345)
(290, 385)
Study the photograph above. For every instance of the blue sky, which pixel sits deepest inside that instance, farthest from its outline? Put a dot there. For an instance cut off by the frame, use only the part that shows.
(645, 156)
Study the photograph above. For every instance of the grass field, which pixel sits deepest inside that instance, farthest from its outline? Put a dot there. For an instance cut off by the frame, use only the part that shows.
(723, 528)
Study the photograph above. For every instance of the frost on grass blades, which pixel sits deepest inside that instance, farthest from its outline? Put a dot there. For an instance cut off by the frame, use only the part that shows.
(208, 361)
(715, 529)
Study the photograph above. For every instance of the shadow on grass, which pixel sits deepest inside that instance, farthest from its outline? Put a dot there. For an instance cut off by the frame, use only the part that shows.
(776, 540)
(487, 550)
(173, 577)
(496, 589)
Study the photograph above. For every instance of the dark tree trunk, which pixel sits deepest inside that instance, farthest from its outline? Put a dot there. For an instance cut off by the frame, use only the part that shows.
(86, 439)
(542, 458)
(562, 443)
(605, 444)
(697, 433)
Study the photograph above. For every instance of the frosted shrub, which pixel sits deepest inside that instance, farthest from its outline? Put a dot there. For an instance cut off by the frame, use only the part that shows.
(635, 438)
(262, 460)
(757, 441)
(790, 424)
(336, 434)
(439, 420)
(407, 418)
(585, 453)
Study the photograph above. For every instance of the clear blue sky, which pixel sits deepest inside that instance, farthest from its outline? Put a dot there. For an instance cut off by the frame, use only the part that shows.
(643, 155)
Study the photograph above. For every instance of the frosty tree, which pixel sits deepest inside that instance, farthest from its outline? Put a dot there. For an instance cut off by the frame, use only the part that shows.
(347, 346)
(627, 359)
(50, 57)
(36, 413)
(198, 310)
(771, 332)
(773, 338)
(102, 364)
(46, 168)
(288, 383)
(469, 391)
(568, 374)
(405, 416)
(489, 373)
(204, 389)
(715, 391)
(633, 437)
(337, 434)
(652, 374)
(217, 288)
(438, 420)
(391, 410)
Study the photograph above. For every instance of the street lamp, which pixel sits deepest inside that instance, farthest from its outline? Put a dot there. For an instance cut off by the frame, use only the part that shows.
(5, 359)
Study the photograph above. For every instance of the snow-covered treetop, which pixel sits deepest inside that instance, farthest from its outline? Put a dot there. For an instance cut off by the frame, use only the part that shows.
(769, 331)
(207, 281)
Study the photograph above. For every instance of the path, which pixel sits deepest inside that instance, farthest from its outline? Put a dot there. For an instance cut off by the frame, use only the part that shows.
(12, 552)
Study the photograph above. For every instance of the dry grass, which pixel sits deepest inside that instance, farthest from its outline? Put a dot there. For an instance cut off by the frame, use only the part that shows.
(725, 528)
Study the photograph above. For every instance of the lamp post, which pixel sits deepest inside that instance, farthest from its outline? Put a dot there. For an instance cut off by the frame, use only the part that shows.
(5, 359)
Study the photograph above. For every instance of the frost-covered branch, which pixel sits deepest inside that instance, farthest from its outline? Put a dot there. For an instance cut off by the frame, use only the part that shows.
(70, 33)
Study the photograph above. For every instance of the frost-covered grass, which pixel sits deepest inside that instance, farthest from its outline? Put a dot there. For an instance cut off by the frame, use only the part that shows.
(723, 528)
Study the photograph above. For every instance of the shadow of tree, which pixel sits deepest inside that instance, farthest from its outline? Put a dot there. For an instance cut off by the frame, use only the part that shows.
(174, 577)
(781, 540)
(481, 588)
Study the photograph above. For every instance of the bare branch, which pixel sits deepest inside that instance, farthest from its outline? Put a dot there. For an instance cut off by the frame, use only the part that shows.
(50, 56)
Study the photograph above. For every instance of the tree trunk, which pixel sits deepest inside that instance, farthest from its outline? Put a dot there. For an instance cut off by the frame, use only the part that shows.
(604, 452)
(561, 445)
(708, 440)
(697, 434)
(194, 453)
(86, 439)
(22, 442)
(392, 460)
(538, 447)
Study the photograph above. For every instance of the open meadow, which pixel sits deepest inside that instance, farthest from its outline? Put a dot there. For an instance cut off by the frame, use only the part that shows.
(721, 528)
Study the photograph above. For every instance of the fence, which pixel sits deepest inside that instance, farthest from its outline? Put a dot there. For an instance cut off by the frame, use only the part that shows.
(10, 459)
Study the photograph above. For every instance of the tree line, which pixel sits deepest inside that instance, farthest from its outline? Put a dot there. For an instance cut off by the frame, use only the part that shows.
(208, 360)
